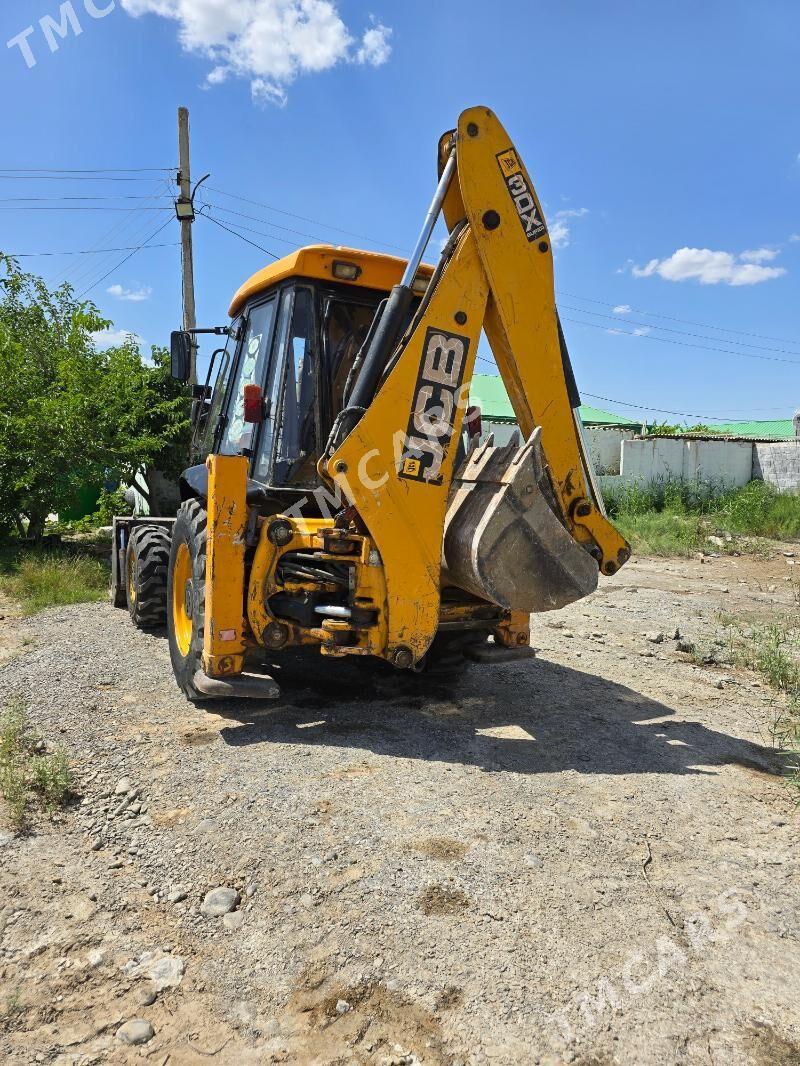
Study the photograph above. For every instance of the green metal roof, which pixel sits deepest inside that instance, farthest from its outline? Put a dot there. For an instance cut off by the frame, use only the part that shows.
(594, 416)
(489, 393)
(783, 428)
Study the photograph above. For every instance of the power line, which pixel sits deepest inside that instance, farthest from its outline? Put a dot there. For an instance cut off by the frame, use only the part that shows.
(672, 318)
(130, 224)
(61, 199)
(65, 177)
(239, 235)
(683, 333)
(100, 170)
(85, 208)
(125, 260)
(84, 269)
(662, 410)
(78, 174)
(135, 225)
(88, 251)
(275, 225)
(658, 410)
(574, 296)
(302, 218)
(250, 229)
(684, 344)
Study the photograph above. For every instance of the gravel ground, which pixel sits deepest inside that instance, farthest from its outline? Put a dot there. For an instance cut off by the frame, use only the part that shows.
(587, 857)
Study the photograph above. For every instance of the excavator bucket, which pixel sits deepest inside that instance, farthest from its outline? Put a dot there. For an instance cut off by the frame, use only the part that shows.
(504, 541)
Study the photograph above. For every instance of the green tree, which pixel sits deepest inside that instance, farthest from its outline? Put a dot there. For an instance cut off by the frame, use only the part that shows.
(71, 415)
(663, 429)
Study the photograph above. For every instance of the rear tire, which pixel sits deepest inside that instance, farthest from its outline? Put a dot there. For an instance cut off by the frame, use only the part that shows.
(146, 561)
(186, 595)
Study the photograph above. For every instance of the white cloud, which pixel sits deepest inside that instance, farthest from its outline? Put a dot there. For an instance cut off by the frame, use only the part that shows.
(622, 309)
(758, 255)
(112, 338)
(270, 42)
(640, 331)
(711, 268)
(375, 48)
(560, 226)
(794, 237)
(559, 234)
(132, 295)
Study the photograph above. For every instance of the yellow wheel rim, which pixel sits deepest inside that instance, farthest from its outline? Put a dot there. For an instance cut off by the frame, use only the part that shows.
(130, 568)
(182, 599)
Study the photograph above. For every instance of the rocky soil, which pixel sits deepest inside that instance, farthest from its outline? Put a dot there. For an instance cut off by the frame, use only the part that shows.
(588, 857)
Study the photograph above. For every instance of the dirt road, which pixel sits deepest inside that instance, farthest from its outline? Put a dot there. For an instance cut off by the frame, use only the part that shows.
(583, 858)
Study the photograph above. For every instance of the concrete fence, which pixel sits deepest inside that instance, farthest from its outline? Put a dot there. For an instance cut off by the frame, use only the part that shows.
(620, 456)
(723, 463)
(605, 447)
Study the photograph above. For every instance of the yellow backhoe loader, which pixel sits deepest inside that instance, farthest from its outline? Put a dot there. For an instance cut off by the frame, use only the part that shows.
(341, 499)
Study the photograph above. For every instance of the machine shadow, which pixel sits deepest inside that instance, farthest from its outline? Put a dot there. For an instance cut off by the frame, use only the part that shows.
(534, 717)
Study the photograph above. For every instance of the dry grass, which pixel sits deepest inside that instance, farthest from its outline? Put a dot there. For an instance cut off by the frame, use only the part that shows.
(38, 580)
(30, 774)
(772, 650)
(678, 518)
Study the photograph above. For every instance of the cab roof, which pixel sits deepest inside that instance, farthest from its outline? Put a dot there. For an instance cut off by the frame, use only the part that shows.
(317, 261)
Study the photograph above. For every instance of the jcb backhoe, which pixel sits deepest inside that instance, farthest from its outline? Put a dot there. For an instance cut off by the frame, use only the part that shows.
(342, 501)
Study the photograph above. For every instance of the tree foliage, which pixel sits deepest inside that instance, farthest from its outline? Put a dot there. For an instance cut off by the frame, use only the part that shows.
(664, 429)
(72, 415)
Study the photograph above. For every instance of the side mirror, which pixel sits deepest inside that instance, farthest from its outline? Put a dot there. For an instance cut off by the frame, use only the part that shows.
(180, 350)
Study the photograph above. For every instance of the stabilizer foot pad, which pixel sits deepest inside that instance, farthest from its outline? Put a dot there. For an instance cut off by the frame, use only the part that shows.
(498, 653)
(239, 686)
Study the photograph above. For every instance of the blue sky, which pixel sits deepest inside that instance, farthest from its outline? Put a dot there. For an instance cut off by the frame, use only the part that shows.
(663, 140)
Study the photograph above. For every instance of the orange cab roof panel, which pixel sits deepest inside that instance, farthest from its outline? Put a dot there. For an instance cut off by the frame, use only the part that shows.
(376, 271)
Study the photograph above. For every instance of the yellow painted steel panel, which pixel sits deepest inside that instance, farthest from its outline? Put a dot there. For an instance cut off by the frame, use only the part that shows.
(224, 638)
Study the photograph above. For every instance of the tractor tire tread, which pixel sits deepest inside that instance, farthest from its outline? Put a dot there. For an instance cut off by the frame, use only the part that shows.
(150, 545)
(190, 527)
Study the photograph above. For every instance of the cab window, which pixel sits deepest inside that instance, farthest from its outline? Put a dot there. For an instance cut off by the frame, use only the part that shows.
(207, 431)
(237, 434)
(297, 446)
(346, 326)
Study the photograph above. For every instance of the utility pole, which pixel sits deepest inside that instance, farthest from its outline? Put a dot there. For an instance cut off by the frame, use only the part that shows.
(185, 211)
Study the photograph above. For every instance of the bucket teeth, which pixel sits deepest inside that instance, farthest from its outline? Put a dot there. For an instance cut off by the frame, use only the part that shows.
(504, 541)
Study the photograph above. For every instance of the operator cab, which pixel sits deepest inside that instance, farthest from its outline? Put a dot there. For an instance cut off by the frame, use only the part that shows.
(297, 327)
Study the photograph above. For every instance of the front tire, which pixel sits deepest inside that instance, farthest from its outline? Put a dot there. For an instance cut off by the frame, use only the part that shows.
(186, 595)
(146, 561)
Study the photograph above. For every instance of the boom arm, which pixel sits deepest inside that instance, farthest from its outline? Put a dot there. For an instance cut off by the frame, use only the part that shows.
(496, 195)
(396, 465)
